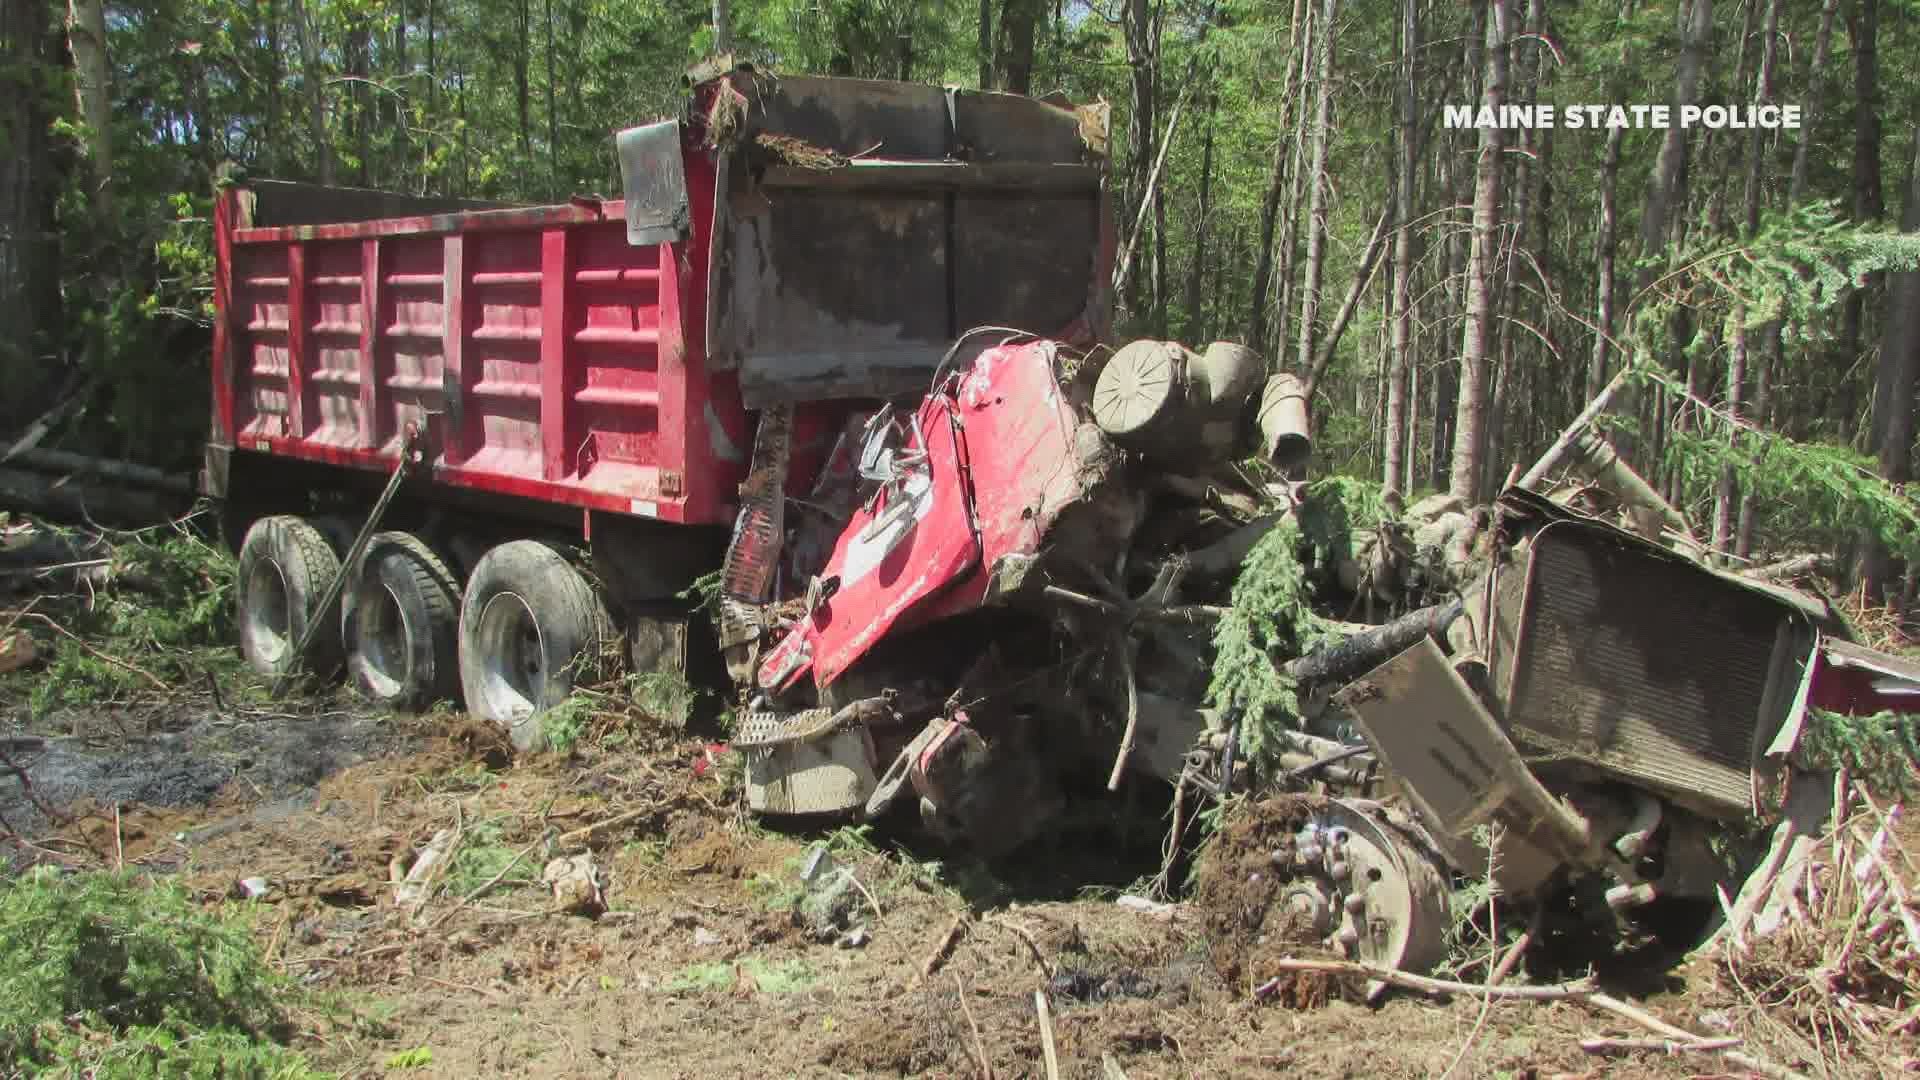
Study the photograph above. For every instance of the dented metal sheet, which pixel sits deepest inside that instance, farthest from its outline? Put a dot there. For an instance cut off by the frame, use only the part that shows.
(1458, 769)
(654, 179)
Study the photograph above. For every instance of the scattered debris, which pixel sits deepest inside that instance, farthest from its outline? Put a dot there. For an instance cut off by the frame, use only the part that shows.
(577, 885)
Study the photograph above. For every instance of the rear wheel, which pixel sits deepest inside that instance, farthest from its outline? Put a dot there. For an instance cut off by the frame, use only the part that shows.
(400, 624)
(285, 566)
(531, 629)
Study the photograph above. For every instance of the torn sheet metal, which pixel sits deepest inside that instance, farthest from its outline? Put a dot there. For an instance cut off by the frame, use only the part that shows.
(653, 179)
(1850, 679)
(1459, 771)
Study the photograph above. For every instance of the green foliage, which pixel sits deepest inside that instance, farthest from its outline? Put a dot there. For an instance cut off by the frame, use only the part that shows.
(664, 696)
(704, 593)
(483, 856)
(1334, 508)
(1269, 617)
(103, 976)
(563, 726)
(167, 610)
(418, 1057)
(1797, 266)
(1882, 750)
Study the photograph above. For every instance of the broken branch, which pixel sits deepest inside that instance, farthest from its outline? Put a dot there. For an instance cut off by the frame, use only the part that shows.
(945, 948)
(1047, 1048)
(979, 1044)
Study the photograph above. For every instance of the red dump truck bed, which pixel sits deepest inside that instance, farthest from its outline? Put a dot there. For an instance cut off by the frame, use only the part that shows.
(561, 353)
(539, 353)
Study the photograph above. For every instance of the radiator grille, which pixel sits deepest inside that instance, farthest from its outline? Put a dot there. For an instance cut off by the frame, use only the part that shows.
(1641, 667)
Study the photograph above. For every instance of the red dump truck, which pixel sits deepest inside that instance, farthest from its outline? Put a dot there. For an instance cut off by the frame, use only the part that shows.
(845, 342)
(535, 379)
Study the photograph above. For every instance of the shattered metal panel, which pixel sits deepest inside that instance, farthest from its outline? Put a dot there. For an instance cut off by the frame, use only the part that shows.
(1652, 670)
(654, 180)
(1459, 771)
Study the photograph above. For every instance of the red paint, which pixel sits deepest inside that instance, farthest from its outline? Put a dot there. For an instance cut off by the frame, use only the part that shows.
(1000, 445)
(544, 356)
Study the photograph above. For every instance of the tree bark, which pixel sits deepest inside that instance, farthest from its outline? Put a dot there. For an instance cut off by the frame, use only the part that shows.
(1317, 192)
(1196, 325)
(1893, 393)
(1605, 245)
(1017, 20)
(310, 80)
(1796, 190)
(722, 27)
(1394, 458)
(1140, 63)
(1276, 181)
(1727, 497)
(1669, 185)
(986, 44)
(29, 279)
(93, 94)
(1863, 24)
(1469, 434)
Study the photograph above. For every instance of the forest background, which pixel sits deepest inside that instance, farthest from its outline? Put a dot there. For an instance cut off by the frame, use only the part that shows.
(1281, 173)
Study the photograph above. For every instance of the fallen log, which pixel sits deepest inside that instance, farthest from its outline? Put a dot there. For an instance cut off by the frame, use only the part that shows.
(80, 465)
(59, 497)
(1361, 652)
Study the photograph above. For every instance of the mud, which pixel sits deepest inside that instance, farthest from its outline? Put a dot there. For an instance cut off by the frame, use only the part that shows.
(103, 758)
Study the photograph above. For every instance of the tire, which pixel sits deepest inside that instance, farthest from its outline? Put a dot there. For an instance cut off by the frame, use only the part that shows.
(400, 625)
(285, 566)
(531, 628)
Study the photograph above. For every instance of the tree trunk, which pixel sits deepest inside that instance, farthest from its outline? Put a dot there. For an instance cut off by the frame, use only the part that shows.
(268, 12)
(722, 27)
(986, 44)
(1605, 245)
(1393, 459)
(1140, 62)
(1893, 393)
(1196, 324)
(1317, 191)
(1726, 498)
(1863, 24)
(359, 66)
(1669, 184)
(29, 278)
(1796, 190)
(522, 91)
(1270, 203)
(310, 80)
(1469, 434)
(93, 94)
(1017, 19)
(1445, 374)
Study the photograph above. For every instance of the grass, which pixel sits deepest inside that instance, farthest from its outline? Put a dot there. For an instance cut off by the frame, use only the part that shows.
(789, 977)
(103, 976)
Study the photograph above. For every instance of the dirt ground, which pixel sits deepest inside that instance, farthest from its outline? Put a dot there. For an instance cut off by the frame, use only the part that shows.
(714, 958)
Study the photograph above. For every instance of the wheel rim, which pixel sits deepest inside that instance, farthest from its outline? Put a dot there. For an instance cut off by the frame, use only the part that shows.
(513, 668)
(268, 619)
(380, 636)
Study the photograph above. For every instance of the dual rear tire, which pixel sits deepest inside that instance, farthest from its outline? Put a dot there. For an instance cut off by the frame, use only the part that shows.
(528, 629)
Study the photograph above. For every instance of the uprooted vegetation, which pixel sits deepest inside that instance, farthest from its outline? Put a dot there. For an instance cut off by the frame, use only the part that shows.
(106, 975)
